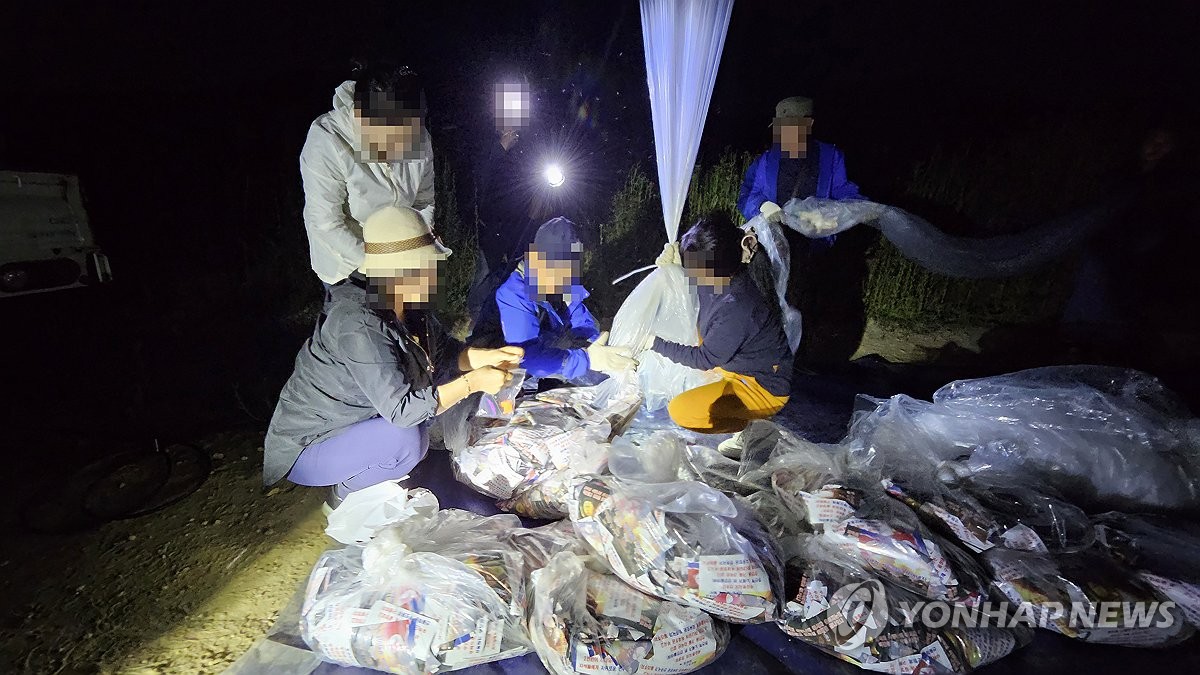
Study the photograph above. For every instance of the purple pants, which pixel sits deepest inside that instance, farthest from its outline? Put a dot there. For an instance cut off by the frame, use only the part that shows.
(366, 453)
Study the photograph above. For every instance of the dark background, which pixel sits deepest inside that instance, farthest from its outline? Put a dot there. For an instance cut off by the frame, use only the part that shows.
(185, 121)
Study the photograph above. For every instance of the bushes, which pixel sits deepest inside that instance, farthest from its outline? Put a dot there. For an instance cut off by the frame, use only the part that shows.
(632, 236)
(460, 237)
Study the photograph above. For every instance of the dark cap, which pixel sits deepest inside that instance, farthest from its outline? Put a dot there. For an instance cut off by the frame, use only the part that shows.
(557, 239)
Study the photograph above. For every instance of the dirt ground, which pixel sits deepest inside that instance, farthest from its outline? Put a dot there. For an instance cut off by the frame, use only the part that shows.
(184, 590)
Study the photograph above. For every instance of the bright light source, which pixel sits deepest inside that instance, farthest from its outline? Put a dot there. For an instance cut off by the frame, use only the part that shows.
(554, 175)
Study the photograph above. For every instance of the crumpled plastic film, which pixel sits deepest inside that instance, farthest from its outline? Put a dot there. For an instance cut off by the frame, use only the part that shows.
(531, 461)
(1104, 438)
(663, 304)
(428, 595)
(584, 620)
(1168, 547)
(682, 541)
(1087, 596)
(846, 611)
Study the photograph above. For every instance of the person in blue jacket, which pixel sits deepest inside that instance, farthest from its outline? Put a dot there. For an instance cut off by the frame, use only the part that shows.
(826, 279)
(794, 166)
(540, 307)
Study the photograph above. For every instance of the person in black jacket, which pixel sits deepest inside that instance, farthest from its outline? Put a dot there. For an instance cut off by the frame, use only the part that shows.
(741, 335)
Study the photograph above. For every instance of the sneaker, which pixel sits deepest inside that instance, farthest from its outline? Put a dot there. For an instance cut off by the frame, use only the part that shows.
(337, 494)
(731, 447)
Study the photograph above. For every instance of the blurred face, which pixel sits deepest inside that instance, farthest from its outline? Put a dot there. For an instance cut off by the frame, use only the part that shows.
(390, 139)
(791, 135)
(700, 269)
(552, 277)
(415, 288)
(510, 104)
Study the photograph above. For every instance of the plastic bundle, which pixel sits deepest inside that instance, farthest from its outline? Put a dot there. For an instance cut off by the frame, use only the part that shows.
(847, 612)
(682, 541)
(586, 620)
(663, 304)
(531, 461)
(430, 594)
(1088, 597)
(1102, 437)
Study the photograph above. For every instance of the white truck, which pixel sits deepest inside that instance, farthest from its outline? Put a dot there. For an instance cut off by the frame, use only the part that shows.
(45, 241)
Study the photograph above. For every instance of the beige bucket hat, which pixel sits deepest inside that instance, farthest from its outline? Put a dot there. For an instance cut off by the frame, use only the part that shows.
(396, 238)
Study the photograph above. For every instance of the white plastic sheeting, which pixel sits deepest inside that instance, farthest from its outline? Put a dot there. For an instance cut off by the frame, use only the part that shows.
(683, 39)
(918, 240)
(664, 304)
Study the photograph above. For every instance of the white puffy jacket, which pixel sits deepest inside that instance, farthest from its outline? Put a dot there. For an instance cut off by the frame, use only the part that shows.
(340, 191)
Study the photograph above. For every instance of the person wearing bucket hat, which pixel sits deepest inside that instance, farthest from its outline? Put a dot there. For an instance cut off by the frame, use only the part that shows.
(377, 368)
(540, 308)
(372, 150)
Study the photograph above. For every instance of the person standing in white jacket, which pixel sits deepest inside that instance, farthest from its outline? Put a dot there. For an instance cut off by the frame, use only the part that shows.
(371, 151)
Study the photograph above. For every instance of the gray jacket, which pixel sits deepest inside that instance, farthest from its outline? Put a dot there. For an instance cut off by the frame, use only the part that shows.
(359, 363)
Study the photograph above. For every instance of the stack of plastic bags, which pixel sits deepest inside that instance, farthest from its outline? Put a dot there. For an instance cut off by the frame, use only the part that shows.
(434, 592)
(528, 460)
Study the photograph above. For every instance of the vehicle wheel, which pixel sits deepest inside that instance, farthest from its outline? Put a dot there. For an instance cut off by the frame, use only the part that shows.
(13, 278)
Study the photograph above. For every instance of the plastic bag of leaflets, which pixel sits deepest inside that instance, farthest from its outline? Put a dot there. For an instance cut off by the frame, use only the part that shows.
(852, 614)
(663, 304)
(529, 462)
(844, 504)
(682, 541)
(1105, 438)
(1165, 553)
(433, 593)
(584, 619)
(1086, 596)
(980, 512)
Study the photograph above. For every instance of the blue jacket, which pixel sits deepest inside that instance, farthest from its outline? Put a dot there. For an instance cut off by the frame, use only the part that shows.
(554, 343)
(762, 180)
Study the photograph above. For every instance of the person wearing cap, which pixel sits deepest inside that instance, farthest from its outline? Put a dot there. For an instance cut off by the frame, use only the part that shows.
(377, 368)
(540, 308)
(372, 150)
(827, 279)
(795, 165)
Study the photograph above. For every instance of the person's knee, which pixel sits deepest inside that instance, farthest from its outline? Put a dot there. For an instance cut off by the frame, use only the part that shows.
(687, 412)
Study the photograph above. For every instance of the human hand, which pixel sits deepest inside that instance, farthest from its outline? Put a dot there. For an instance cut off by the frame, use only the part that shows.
(504, 358)
(669, 255)
(487, 379)
(609, 360)
(771, 212)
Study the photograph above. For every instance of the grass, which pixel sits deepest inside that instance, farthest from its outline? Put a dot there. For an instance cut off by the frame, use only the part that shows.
(459, 235)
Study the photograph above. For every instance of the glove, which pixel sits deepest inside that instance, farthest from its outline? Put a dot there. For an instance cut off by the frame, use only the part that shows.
(609, 360)
(669, 255)
(771, 212)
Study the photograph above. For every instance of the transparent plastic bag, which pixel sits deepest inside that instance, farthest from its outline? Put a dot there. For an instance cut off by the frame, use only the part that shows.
(503, 403)
(682, 541)
(663, 304)
(427, 595)
(1167, 547)
(584, 620)
(849, 613)
(1104, 438)
(1087, 596)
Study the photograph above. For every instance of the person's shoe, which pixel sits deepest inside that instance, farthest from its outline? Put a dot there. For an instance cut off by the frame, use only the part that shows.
(731, 447)
(337, 494)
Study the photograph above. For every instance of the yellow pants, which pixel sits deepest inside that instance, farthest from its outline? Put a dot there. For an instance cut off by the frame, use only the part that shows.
(726, 406)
